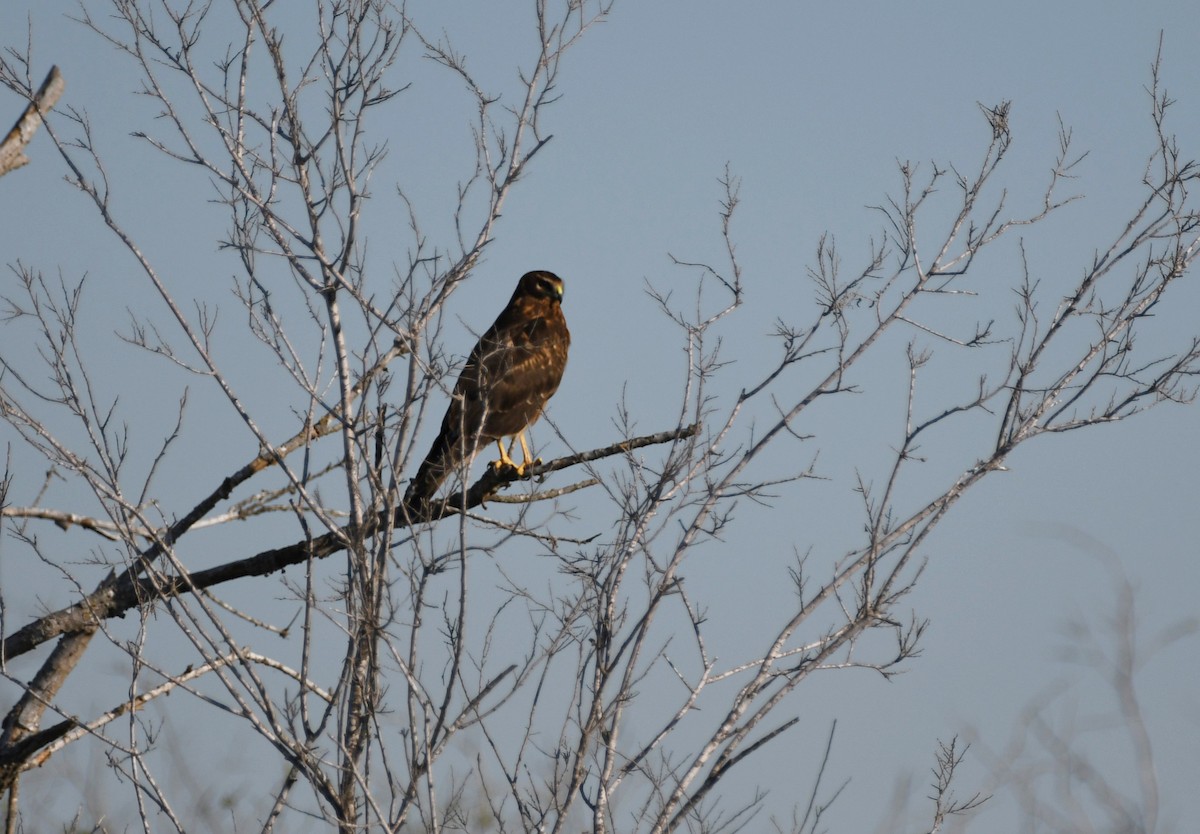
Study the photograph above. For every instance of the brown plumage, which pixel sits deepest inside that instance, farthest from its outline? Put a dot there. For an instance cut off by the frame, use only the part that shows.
(512, 372)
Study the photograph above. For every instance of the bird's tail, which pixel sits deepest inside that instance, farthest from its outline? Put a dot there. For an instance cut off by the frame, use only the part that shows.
(443, 458)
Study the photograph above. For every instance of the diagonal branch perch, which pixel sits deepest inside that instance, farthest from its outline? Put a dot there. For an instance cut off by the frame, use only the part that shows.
(128, 591)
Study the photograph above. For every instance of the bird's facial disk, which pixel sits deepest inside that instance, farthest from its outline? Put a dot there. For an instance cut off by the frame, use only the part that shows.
(544, 285)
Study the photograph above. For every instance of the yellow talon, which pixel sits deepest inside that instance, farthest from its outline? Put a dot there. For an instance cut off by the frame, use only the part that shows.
(527, 462)
(506, 456)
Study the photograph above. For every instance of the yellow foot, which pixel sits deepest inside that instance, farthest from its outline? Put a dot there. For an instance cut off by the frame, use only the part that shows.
(519, 470)
(506, 461)
(500, 465)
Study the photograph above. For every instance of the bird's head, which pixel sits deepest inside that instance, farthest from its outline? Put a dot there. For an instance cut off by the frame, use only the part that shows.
(539, 284)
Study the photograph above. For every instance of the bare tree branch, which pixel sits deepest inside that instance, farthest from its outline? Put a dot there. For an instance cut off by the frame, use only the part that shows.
(12, 149)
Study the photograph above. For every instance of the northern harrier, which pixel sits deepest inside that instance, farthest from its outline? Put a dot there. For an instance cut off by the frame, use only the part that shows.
(511, 373)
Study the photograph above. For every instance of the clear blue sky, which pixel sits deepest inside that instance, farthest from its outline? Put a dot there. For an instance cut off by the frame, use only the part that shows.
(811, 104)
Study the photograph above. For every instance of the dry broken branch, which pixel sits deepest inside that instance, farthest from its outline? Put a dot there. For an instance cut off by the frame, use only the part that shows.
(12, 149)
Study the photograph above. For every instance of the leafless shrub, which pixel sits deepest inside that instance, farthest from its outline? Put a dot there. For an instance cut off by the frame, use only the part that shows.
(420, 685)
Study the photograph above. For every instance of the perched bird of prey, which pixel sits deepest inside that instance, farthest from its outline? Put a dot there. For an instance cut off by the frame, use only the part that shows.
(508, 378)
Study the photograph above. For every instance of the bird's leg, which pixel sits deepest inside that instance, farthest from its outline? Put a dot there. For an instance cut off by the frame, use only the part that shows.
(527, 461)
(505, 458)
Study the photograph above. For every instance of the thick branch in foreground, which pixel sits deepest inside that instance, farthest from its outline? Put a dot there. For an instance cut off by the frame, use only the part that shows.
(12, 150)
(114, 600)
